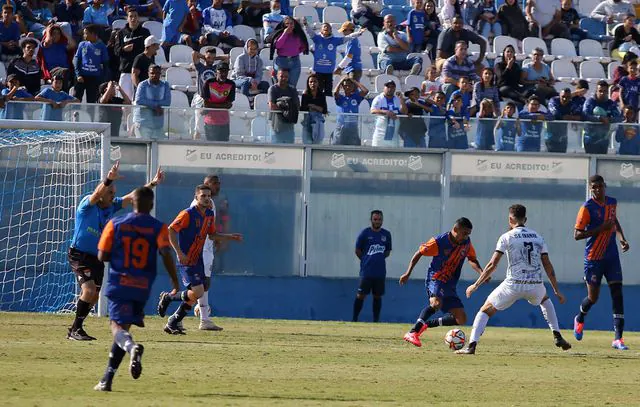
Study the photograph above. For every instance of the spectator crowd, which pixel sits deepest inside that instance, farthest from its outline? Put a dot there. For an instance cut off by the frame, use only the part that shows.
(436, 81)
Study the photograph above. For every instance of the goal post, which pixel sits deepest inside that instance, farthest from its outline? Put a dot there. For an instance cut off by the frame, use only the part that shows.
(46, 167)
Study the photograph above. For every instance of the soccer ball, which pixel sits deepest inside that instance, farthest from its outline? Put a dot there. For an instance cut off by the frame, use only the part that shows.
(455, 339)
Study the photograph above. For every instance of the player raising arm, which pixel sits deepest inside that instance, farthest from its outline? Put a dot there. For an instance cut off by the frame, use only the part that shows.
(526, 252)
(449, 251)
(187, 235)
(597, 222)
(93, 213)
(130, 244)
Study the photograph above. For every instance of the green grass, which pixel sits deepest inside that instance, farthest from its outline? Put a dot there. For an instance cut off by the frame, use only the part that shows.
(273, 362)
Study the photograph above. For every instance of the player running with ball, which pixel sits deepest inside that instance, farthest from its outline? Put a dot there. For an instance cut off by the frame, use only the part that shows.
(527, 254)
(187, 235)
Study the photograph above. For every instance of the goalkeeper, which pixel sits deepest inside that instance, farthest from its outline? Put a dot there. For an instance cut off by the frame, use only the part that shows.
(92, 215)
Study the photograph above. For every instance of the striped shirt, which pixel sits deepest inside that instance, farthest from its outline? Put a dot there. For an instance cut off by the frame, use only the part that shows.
(490, 92)
(451, 69)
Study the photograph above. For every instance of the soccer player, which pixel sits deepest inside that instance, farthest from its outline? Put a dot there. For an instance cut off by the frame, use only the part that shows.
(598, 223)
(130, 244)
(211, 251)
(93, 213)
(449, 251)
(187, 235)
(527, 254)
(373, 246)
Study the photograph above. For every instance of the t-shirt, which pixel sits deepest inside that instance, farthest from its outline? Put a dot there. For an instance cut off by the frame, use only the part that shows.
(218, 92)
(506, 136)
(385, 125)
(193, 228)
(98, 16)
(448, 257)
(176, 11)
(416, 25)
(274, 93)
(55, 56)
(373, 246)
(324, 54)
(591, 215)
(133, 242)
(630, 90)
(14, 110)
(205, 72)
(348, 104)
(143, 62)
(10, 33)
(89, 224)
(524, 248)
(448, 38)
(91, 58)
(48, 112)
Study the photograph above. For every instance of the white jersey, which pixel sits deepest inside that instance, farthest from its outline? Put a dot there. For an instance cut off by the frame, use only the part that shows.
(524, 248)
(208, 250)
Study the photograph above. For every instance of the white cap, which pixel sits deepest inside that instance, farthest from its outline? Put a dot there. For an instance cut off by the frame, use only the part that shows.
(635, 50)
(151, 40)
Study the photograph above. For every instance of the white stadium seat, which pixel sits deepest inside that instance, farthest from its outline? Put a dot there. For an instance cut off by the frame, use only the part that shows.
(531, 43)
(180, 79)
(611, 68)
(564, 70)
(592, 71)
(244, 32)
(261, 102)
(563, 48)
(591, 50)
(334, 14)
(412, 80)
(304, 11)
(233, 55)
(119, 24)
(501, 41)
(383, 78)
(180, 55)
(154, 27)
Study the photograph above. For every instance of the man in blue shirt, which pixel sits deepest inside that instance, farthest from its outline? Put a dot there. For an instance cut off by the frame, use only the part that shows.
(54, 99)
(347, 132)
(9, 32)
(532, 125)
(601, 109)
(90, 63)
(152, 95)
(415, 28)
(92, 215)
(14, 91)
(373, 246)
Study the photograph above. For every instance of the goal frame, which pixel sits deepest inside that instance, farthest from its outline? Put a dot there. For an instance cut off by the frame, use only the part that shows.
(103, 129)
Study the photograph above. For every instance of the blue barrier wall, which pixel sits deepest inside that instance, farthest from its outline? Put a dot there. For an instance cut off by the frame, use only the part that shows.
(318, 298)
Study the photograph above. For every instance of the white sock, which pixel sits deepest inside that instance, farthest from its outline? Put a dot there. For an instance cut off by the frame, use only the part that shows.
(549, 313)
(203, 303)
(479, 324)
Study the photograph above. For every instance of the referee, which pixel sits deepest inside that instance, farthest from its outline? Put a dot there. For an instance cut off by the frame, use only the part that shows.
(92, 215)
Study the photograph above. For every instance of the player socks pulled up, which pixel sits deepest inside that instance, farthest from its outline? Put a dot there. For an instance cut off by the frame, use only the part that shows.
(445, 320)
(115, 358)
(549, 313)
(479, 325)
(203, 304)
(181, 312)
(82, 310)
(357, 307)
(377, 306)
(424, 315)
(585, 306)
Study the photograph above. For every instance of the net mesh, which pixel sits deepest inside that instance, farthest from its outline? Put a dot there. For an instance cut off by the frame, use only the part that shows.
(43, 174)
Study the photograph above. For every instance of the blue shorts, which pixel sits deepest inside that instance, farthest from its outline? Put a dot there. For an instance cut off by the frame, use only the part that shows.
(595, 269)
(126, 312)
(192, 276)
(446, 292)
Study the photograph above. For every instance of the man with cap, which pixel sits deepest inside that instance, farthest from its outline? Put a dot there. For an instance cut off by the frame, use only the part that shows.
(26, 67)
(387, 106)
(413, 129)
(152, 95)
(351, 63)
(142, 62)
(129, 41)
(218, 93)
(204, 72)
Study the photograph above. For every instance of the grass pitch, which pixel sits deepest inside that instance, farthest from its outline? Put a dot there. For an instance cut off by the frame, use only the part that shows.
(274, 362)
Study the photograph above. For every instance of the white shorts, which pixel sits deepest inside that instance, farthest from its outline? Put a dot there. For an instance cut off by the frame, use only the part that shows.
(504, 295)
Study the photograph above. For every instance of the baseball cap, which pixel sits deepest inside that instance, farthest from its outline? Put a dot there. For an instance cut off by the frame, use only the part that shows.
(221, 66)
(408, 92)
(347, 25)
(151, 40)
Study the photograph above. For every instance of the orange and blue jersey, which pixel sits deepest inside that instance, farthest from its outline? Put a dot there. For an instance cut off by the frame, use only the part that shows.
(133, 242)
(592, 214)
(193, 228)
(448, 257)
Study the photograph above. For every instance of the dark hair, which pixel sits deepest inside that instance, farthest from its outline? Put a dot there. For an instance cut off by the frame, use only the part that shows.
(466, 44)
(583, 84)
(93, 29)
(533, 98)
(153, 66)
(376, 212)
(511, 104)
(7, 7)
(28, 41)
(308, 89)
(464, 223)
(629, 107)
(503, 51)
(143, 199)
(444, 95)
(130, 9)
(596, 179)
(211, 50)
(628, 56)
(633, 62)
(603, 83)
(202, 187)
(518, 212)
(283, 70)
(210, 178)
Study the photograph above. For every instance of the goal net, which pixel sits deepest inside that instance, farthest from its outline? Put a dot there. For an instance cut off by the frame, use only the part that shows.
(45, 169)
